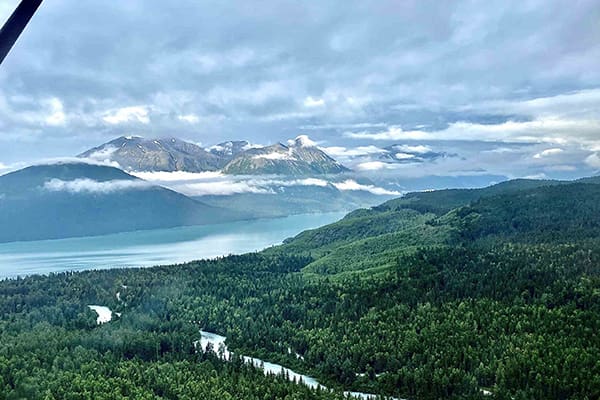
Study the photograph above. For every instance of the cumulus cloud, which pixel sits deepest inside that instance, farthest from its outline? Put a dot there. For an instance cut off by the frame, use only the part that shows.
(302, 141)
(312, 102)
(419, 149)
(374, 166)
(92, 186)
(548, 152)
(127, 114)
(57, 116)
(190, 118)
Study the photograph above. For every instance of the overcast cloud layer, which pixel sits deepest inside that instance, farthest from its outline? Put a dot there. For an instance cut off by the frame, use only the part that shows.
(509, 87)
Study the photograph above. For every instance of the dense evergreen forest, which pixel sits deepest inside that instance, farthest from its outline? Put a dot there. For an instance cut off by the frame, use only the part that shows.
(496, 296)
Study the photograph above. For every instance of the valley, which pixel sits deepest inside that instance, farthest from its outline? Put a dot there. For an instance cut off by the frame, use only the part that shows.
(299, 200)
(497, 296)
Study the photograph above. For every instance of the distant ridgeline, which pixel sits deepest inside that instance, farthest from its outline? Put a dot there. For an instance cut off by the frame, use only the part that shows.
(78, 199)
(298, 157)
(458, 294)
(74, 199)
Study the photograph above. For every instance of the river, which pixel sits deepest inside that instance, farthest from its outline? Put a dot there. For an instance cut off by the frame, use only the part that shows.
(217, 342)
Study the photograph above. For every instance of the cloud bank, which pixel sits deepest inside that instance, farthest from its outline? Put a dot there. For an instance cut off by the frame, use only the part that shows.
(215, 183)
(95, 187)
(356, 75)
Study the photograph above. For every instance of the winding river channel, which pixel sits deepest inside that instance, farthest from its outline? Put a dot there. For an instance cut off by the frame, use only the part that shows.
(217, 342)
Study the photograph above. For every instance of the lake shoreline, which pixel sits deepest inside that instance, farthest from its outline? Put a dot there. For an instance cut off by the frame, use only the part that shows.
(148, 248)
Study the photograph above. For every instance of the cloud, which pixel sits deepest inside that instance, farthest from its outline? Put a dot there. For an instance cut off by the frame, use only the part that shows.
(92, 186)
(220, 188)
(350, 184)
(537, 176)
(562, 168)
(308, 182)
(392, 133)
(103, 154)
(176, 176)
(312, 102)
(577, 102)
(374, 166)
(68, 160)
(358, 125)
(190, 118)
(215, 183)
(229, 186)
(302, 141)
(593, 160)
(404, 156)
(419, 149)
(548, 152)
(57, 116)
(544, 130)
(348, 152)
(127, 114)
(413, 73)
(275, 156)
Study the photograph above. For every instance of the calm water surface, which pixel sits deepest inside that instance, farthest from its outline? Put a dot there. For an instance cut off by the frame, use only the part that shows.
(154, 247)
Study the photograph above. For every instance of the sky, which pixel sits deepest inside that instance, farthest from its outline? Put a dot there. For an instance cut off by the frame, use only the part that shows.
(405, 89)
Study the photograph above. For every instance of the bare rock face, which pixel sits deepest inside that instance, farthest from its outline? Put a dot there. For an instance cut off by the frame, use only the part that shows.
(298, 157)
(134, 153)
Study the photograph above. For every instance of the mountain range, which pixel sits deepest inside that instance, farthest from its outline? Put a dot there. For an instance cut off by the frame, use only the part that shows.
(72, 199)
(299, 157)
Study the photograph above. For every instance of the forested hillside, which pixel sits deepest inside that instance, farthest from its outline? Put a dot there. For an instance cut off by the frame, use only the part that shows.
(496, 296)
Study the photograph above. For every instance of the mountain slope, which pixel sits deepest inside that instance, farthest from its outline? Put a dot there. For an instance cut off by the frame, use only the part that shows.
(498, 298)
(556, 211)
(300, 157)
(78, 199)
(226, 151)
(167, 154)
(291, 200)
(442, 201)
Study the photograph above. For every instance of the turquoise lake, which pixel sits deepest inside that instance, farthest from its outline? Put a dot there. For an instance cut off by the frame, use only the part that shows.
(152, 247)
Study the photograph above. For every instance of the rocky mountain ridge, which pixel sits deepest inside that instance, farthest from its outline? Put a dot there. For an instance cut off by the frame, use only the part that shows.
(300, 156)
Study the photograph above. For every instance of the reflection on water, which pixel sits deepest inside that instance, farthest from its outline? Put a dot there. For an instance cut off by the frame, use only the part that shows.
(154, 247)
